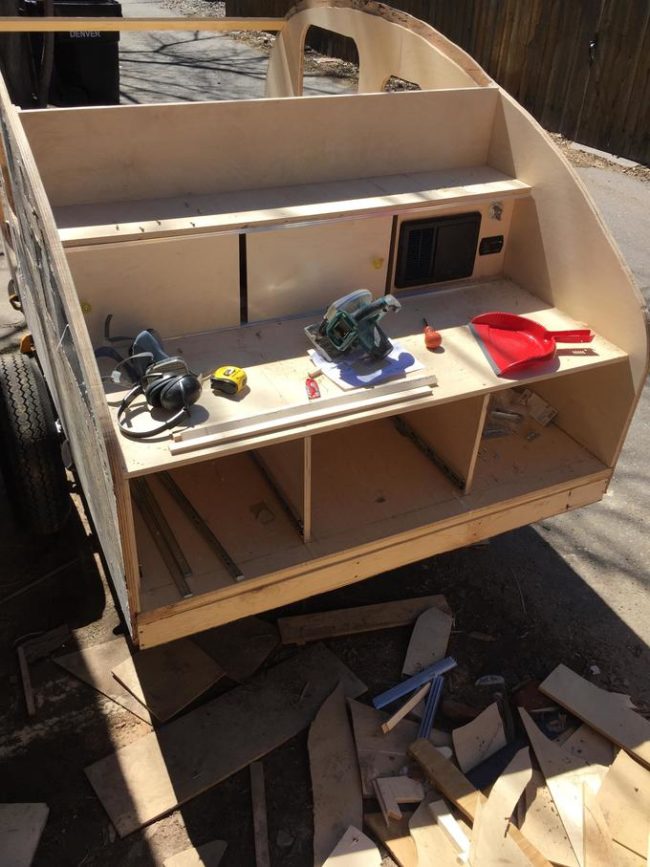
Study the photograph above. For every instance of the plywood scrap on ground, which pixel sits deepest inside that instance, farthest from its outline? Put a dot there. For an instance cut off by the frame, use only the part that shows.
(599, 849)
(336, 785)
(393, 791)
(432, 846)
(351, 621)
(565, 775)
(491, 846)
(479, 739)
(587, 744)
(603, 711)
(93, 665)
(395, 837)
(207, 855)
(152, 776)
(166, 679)
(429, 640)
(379, 754)
(624, 799)
(354, 849)
(260, 821)
(240, 648)
(542, 824)
(21, 826)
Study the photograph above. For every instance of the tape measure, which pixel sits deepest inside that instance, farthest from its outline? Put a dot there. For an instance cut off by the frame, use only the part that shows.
(228, 379)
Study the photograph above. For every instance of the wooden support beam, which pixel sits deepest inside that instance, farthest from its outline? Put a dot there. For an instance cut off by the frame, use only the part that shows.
(19, 24)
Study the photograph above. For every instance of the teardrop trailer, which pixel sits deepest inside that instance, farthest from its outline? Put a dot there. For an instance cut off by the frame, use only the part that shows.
(230, 227)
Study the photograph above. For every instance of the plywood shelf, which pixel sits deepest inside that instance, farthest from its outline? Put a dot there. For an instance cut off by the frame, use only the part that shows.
(259, 208)
(274, 355)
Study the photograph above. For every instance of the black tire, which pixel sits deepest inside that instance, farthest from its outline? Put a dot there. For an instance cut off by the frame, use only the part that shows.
(30, 454)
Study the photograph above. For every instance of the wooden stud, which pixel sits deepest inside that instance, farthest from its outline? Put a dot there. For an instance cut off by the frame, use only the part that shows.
(260, 823)
(406, 708)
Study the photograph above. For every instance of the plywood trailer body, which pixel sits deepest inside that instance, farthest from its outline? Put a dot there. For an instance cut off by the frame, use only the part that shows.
(228, 227)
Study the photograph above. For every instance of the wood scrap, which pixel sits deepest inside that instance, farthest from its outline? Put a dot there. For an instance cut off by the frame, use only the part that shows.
(351, 621)
(542, 825)
(381, 755)
(429, 640)
(166, 679)
(241, 647)
(406, 708)
(396, 838)
(455, 786)
(587, 744)
(602, 710)
(432, 845)
(93, 665)
(393, 791)
(207, 855)
(152, 776)
(447, 823)
(335, 780)
(26, 681)
(624, 799)
(479, 739)
(21, 826)
(491, 846)
(598, 851)
(260, 821)
(565, 775)
(354, 849)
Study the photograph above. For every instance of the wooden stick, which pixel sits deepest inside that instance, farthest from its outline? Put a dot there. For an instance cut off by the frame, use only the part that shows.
(406, 708)
(37, 581)
(16, 24)
(27, 681)
(260, 824)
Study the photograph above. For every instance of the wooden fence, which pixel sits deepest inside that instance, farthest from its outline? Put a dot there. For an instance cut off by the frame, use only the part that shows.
(581, 67)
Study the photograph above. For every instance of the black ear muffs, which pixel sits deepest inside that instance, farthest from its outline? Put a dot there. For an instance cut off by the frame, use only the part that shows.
(167, 384)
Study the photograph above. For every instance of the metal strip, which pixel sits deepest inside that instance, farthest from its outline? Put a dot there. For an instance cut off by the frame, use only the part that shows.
(200, 524)
(162, 535)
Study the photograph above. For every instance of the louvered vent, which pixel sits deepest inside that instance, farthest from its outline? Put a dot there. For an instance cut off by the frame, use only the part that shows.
(432, 251)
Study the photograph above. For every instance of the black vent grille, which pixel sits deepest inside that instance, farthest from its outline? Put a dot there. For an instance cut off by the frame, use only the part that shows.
(432, 251)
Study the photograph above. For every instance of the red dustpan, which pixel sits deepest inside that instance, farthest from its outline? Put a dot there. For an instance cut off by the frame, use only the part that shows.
(513, 343)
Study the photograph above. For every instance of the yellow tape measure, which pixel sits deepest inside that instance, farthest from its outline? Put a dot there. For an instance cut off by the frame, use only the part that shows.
(228, 379)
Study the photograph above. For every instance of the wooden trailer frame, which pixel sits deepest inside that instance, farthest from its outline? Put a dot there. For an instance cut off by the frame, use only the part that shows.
(107, 209)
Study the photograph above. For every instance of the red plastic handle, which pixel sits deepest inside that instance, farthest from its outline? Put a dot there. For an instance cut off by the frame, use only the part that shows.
(580, 335)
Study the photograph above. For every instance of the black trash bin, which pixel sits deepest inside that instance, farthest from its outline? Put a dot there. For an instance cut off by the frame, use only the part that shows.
(86, 67)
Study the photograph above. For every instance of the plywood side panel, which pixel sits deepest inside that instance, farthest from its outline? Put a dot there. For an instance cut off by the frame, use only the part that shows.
(593, 408)
(299, 270)
(52, 311)
(388, 42)
(137, 152)
(177, 286)
(559, 247)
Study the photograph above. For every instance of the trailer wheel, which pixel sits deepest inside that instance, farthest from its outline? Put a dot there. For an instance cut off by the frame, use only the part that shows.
(30, 455)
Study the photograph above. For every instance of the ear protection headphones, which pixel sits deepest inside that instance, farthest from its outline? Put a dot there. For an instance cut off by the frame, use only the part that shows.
(165, 381)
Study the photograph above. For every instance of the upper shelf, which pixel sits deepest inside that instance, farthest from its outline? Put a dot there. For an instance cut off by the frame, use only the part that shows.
(248, 209)
(274, 355)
